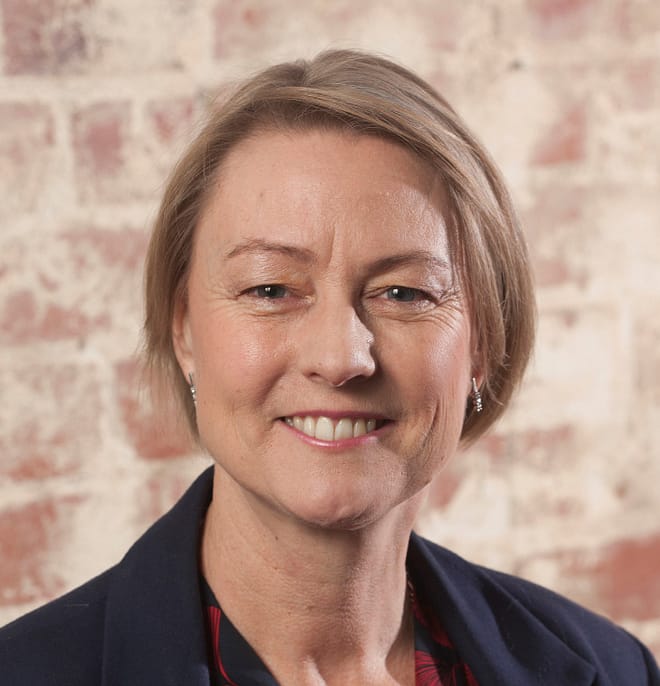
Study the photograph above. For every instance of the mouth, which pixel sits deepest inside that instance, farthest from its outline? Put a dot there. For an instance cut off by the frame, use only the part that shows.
(327, 429)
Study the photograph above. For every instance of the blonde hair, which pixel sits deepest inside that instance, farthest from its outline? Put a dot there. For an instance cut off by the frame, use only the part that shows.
(364, 94)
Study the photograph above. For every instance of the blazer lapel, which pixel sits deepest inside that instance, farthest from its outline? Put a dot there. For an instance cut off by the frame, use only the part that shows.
(502, 642)
(154, 631)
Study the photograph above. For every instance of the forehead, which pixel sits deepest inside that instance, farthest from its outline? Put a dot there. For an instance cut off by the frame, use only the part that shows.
(302, 184)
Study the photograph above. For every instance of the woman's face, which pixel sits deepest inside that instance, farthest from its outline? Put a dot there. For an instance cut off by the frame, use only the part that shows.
(330, 346)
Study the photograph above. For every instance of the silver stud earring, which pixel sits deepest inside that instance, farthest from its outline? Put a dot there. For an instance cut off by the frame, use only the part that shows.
(477, 403)
(193, 390)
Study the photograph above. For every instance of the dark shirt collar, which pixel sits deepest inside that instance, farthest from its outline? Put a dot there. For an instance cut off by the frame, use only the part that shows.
(234, 662)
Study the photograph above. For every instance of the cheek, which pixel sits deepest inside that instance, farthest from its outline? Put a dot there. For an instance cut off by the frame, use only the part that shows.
(236, 362)
(440, 366)
(442, 376)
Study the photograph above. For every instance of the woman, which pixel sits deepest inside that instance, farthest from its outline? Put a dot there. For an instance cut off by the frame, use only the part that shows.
(339, 291)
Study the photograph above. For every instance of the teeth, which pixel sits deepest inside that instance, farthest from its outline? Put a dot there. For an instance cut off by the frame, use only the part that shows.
(325, 429)
(344, 429)
(359, 428)
(309, 426)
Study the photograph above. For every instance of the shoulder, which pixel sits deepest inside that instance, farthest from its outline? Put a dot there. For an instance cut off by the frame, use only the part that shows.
(61, 642)
(124, 626)
(524, 613)
(594, 637)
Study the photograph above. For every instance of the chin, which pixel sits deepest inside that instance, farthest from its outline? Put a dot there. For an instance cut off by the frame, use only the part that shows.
(342, 511)
(339, 521)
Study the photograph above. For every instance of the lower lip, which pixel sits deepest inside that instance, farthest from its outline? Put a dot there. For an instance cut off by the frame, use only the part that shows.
(343, 443)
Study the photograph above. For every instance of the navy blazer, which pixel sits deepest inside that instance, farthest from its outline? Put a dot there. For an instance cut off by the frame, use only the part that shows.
(141, 623)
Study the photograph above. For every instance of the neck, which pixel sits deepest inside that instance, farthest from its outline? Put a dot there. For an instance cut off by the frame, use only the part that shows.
(338, 598)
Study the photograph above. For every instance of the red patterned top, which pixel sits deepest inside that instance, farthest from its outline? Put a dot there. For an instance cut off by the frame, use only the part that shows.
(233, 662)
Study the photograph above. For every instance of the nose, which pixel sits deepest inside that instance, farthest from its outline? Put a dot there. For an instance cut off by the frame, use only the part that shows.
(337, 346)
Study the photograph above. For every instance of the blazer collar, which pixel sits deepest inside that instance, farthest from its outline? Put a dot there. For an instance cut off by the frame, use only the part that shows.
(155, 627)
(501, 640)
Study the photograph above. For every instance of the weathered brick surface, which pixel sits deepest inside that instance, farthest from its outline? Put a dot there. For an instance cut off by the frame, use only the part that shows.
(70, 284)
(64, 434)
(27, 137)
(150, 427)
(620, 578)
(29, 535)
(45, 36)
(98, 97)
(562, 19)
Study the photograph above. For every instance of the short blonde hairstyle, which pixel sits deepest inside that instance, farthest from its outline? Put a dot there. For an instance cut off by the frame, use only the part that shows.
(364, 94)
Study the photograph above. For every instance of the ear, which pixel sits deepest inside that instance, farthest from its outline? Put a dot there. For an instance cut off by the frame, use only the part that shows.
(182, 337)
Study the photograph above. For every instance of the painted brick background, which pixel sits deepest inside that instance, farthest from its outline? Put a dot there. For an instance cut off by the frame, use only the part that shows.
(97, 99)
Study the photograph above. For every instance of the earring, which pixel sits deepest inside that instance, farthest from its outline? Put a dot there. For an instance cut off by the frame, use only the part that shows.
(193, 390)
(477, 404)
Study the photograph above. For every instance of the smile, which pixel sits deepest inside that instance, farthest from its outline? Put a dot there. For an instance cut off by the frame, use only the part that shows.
(326, 429)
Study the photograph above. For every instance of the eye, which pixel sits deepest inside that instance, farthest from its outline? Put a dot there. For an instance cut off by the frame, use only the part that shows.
(404, 294)
(270, 291)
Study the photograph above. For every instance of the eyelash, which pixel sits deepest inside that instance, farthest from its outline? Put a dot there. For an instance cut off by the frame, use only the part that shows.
(266, 291)
(275, 291)
(416, 293)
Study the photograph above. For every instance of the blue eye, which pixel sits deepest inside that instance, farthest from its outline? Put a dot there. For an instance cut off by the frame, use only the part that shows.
(403, 294)
(270, 291)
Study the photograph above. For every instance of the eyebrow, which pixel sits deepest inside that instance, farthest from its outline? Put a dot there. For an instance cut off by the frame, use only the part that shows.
(414, 257)
(254, 246)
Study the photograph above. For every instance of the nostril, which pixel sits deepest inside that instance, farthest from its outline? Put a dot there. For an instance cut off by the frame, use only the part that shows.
(338, 347)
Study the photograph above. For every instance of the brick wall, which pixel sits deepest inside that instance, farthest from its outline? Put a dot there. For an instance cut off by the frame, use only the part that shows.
(97, 98)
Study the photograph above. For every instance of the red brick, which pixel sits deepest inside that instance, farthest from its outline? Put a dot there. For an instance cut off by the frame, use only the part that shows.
(24, 124)
(19, 316)
(23, 319)
(551, 224)
(60, 322)
(547, 441)
(636, 19)
(45, 36)
(555, 205)
(495, 446)
(446, 485)
(620, 580)
(100, 137)
(158, 495)
(551, 271)
(154, 432)
(565, 141)
(27, 135)
(560, 19)
(122, 249)
(30, 537)
(69, 284)
(447, 21)
(51, 426)
(171, 118)
(235, 24)
(637, 85)
(541, 448)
